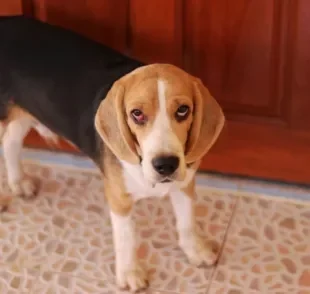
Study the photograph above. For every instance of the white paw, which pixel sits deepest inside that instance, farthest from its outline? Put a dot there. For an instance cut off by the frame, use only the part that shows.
(134, 279)
(197, 252)
(25, 188)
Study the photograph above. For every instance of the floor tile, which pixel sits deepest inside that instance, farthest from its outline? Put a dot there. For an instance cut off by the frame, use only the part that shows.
(267, 249)
(16, 281)
(61, 283)
(64, 236)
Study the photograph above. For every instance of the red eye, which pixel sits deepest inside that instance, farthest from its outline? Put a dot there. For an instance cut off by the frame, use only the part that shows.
(138, 116)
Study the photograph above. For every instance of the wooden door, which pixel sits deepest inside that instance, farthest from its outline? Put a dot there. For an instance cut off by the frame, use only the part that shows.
(254, 55)
(12, 7)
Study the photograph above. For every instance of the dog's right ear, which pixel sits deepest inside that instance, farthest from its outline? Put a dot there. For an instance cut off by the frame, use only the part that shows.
(111, 125)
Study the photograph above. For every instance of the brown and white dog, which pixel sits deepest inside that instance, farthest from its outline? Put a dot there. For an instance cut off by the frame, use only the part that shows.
(145, 126)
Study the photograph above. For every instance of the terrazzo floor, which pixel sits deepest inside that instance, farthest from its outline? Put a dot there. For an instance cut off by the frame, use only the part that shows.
(61, 242)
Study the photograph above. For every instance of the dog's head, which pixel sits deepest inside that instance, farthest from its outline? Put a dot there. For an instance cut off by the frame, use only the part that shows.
(160, 117)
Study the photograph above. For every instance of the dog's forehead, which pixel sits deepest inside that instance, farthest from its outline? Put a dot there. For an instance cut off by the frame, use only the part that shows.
(142, 93)
(145, 82)
(176, 85)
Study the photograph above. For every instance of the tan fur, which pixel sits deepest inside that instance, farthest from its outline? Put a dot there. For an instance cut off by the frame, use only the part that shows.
(146, 101)
(112, 127)
(144, 82)
(207, 124)
(190, 189)
(119, 201)
(16, 112)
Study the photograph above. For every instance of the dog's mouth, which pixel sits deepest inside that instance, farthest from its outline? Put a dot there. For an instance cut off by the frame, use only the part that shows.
(163, 181)
(166, 180)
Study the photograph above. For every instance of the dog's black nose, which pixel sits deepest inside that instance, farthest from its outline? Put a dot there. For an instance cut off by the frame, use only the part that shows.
(165, 165)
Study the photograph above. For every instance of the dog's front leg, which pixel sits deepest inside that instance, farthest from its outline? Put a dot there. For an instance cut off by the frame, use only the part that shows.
(129, 274)
(195, 248)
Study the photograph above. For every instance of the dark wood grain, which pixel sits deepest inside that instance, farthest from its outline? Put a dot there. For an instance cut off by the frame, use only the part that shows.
(235, 49)
(271, 152)
(27, 7)
(104, 21)
(156, 30)
(10, 7)
(300, 92)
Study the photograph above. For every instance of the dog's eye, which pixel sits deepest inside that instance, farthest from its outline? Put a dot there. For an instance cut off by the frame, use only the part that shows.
(182, 112)
(138, 116)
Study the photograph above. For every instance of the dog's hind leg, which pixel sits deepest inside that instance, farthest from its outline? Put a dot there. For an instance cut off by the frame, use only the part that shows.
(16, 129)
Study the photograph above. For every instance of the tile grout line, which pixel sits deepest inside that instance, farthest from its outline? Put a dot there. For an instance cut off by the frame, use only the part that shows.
(221, 250)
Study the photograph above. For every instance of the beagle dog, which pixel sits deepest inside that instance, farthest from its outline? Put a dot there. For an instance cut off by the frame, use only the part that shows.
(145, 126)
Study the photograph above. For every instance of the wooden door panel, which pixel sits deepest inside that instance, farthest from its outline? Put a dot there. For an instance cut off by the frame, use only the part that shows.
(255, 150)
(235, 49)
(300, 67)
(156, 30)
(12, 7)
(104, 21)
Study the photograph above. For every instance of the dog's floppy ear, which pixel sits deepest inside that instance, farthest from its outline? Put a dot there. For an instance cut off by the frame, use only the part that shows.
(208, 121)
(111, 124)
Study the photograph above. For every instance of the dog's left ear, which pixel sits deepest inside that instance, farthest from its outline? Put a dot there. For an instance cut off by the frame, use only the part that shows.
(208, 121)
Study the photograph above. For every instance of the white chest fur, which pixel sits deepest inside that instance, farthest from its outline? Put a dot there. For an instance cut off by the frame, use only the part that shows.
(139, 188)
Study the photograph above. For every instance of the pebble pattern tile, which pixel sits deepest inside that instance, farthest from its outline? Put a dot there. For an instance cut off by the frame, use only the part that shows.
(267, 249)
(61, 242)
